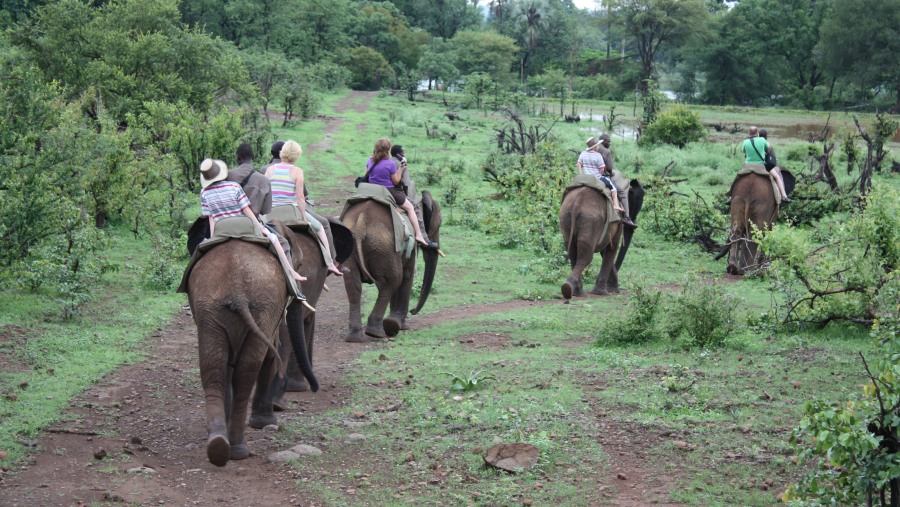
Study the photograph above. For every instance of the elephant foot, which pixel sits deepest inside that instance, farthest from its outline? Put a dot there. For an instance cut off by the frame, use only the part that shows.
(239, 452)
(259, 420)
(356, 337)
(377, 333)
(297, 385)
(404, 325)
(279, 405)
(567, 290)
(614, 289)
(391, 326)
(600, 291)
(218, 450)
(733, 270)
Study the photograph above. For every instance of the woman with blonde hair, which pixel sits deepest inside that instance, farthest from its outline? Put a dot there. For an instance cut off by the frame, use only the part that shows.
(286, 178)
(382, 170)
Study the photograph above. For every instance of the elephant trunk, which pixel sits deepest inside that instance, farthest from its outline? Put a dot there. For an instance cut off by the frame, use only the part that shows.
(298, 343)
(626, 242)
(431, 260)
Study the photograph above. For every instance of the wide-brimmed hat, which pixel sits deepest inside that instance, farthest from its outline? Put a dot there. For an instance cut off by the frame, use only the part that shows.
(592, 142)
(212, 171)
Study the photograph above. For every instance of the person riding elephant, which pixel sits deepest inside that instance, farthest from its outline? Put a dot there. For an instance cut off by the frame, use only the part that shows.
(398, 155)
(622, 184)
(591, 162)
(238, 298)
(754, 148)
(380, 257)
(381, 170)
(286, 178)
(323, 220)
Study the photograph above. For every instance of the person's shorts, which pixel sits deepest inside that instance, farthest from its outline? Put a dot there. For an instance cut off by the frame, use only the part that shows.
(398, 195)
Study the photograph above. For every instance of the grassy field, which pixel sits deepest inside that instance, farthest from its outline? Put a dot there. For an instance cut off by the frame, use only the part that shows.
(716, 420)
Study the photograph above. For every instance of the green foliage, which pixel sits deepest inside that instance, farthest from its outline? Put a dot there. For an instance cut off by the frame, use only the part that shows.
(682, 218)
(853, 446)
(651, 101)
(485, 51)
(164, 268)
(642, 322)
(813, 202)
(704, 313)
(470, 382)
(841, 271)
(596, 87)
(369, 69)
(678, 126)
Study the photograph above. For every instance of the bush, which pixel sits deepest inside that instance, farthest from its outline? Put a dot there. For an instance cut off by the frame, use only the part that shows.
(641, 324)
(678, 126)
(597, 87)
(683, 218)
(704, 313)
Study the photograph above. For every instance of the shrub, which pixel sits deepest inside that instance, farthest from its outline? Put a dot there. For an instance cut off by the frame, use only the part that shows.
(164, 268)
(641, 324)
(678, 126)
(683, 218)
(704, 313)
(853, 444)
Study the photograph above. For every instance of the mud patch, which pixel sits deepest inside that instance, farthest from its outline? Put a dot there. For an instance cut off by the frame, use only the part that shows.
(490, 341)
(805, 355)
(12, 337)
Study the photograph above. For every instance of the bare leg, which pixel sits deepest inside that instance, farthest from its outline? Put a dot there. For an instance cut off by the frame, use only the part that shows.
(283, 258)
(616, 205)
(780, 182)
(329, 262)
(411, 213)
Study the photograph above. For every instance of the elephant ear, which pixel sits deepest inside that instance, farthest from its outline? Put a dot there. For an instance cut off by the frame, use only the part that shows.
(343, 240)
(197, 233)
(789, 181)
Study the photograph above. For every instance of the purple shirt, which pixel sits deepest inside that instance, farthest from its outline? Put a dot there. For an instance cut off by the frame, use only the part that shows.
(381, 173)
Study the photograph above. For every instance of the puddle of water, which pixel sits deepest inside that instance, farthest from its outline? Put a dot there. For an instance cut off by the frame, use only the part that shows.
(620, 131)
(802, 131)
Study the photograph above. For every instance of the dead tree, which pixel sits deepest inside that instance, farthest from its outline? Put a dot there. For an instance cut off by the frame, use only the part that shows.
(519, 138)
(825, 173)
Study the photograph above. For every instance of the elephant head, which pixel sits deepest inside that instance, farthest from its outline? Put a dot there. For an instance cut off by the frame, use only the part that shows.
(635, 203)
(375, 260)
(752, 204)
(585, 229)
(237, 294)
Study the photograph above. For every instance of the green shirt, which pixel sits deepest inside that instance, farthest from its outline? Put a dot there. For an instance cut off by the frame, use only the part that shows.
(761, 146)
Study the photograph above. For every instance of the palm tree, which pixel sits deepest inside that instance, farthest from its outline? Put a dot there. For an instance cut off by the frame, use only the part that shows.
(532, 17)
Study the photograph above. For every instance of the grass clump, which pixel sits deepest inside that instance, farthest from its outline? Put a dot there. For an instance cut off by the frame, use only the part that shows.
(641, 324)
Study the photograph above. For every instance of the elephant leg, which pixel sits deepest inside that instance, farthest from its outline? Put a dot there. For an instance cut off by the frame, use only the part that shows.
(375, 324)
(262, 411)
(612, 281)
(600, 284)
(245, 376)
(396, 321)
(214, 377)
(585, 254)
(353, 286)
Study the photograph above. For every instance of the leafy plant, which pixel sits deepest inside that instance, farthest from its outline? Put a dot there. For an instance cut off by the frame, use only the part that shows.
(641, 324)
(678, 126)
(470, 382)
(678, 380)
(703, 312)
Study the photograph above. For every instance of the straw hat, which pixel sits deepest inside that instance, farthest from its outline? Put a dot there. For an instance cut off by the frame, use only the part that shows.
(592, 142)
(212, 171)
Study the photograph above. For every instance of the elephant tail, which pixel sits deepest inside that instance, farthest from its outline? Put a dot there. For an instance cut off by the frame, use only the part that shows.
(360, 258)
(571, 242)
(244, 311)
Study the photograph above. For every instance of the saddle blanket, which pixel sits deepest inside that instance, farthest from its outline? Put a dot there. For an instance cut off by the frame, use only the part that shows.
(404, 240)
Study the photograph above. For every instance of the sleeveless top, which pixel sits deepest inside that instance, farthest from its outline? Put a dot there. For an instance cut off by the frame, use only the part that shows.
(284, 190)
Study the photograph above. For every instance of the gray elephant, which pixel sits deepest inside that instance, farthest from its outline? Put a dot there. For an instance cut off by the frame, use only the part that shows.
(238, 295)
(586, 229)
(752, 204)
(375, 260)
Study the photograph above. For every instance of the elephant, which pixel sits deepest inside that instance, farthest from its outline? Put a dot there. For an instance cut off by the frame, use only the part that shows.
(307, 251)
(374, 260)
(238, 297)
(583, 221)
(752, 202)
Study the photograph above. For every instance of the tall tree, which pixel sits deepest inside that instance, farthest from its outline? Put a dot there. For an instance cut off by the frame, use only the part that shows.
(657, 24)
(485, 51)
(861, 40)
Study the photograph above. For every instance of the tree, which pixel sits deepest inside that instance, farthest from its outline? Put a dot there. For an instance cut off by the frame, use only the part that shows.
(438, 63)
(130, 51)
(486, 51)
(657, 24)
(860, 40)
(441, 18)
(368, 68)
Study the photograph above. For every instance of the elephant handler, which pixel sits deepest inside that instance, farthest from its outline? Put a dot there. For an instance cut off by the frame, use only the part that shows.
(591, 162)
(754, 148)
(398, 155)
(617, 178)
(221, 199)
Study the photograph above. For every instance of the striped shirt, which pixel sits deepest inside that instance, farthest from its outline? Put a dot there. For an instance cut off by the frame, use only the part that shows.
(591, 163)
(223, 199)
(284, 188)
